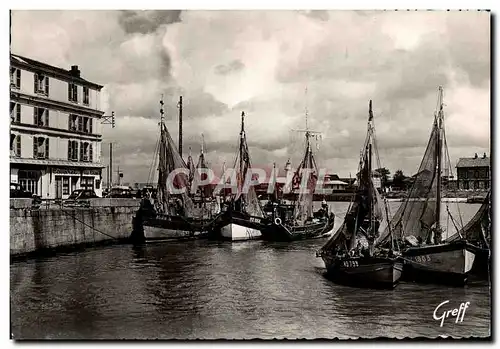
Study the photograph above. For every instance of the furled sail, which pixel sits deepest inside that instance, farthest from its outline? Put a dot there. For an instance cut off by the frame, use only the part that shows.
(191, 168)
(303, 209)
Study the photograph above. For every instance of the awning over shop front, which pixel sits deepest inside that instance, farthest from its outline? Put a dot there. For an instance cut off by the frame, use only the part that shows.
(48, 162)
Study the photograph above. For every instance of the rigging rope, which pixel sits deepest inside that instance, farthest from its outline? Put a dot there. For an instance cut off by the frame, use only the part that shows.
(91, 227)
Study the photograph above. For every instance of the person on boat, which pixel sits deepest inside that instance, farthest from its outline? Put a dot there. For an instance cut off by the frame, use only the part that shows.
(324, 205)
(179, 208)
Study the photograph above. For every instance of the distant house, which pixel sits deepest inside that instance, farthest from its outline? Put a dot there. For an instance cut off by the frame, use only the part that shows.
(474, 173)
(332, 182)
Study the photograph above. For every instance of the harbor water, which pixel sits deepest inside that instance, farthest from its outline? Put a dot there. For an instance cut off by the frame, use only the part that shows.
(223, 290)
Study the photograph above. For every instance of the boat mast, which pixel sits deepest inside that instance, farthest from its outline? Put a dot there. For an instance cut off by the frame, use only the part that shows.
(180, 125)
(439, 160)
(242, 139)
(161, 193)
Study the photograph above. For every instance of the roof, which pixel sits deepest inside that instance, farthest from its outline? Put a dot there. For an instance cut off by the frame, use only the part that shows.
(337, 182)
(474, 162)
(28, 62)
(16, 160)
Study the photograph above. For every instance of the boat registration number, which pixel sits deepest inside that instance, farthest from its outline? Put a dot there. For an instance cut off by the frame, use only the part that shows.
(254, 220)
(422, 259)
(351, 264)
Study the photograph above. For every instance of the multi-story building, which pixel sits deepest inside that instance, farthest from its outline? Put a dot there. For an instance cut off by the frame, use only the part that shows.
(55, 139)
(474, 173)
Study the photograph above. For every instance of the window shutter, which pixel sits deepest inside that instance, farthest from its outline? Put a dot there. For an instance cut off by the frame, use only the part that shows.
(91, 121)
(90, 152)
(69, 121)
(47, 147)
(80, 123)
(18, 82)
(81, 151)
(35, 146)
(18, 145)
(69, 91)
(47, 85)
(35, 83)
(18, 112)
(69, 150)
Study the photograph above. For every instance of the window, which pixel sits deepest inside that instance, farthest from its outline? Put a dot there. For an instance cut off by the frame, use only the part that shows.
(80, 124)
(41, 84)
(15, 112)
(86, 153)
(87, 183)
(476, 174)
(40, 147)
(15, 78)
(73, 122)
(16, 146)
(72, 92)
(65, 185)
(28, 180)
(41, 116)
(86, 95)
(12, 140)
(87, 125)
(72, 150)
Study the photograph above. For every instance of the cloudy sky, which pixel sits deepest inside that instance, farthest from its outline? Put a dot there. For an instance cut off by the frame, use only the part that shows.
(262, 62)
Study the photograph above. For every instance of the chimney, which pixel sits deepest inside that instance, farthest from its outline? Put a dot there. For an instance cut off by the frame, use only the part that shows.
(75, 71)
(475, 156)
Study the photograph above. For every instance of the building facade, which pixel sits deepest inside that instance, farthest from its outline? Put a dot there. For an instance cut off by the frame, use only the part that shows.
(55, 140)
(474, 173)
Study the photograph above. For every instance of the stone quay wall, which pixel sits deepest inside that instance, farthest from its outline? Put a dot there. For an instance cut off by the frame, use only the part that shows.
(53, 225)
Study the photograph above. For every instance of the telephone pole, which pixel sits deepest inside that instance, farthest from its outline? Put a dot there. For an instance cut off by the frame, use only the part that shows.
(110, 172)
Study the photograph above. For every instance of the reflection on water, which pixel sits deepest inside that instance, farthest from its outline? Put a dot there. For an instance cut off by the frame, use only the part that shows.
(202, 289)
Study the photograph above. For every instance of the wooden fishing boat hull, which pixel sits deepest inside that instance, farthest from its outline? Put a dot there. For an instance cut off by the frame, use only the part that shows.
(236, 227)
(448, 263)
(237, 232)
(373, 272)
(482, 263)
(283, 232)
(172, 228)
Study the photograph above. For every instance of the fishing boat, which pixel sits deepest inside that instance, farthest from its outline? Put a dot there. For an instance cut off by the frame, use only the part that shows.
(355, 254)
(163, 214)
(241, 217)
(298, 221)
(417, 223)
(202, 192)
(478, 233)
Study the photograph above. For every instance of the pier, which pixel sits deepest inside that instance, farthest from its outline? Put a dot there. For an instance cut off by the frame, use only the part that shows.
(50, 226)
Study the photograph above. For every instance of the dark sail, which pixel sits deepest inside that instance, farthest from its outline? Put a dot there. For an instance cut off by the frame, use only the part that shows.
(170, 160)
(417, 214)
(365, 218)
(248, 201)
(478, 230)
